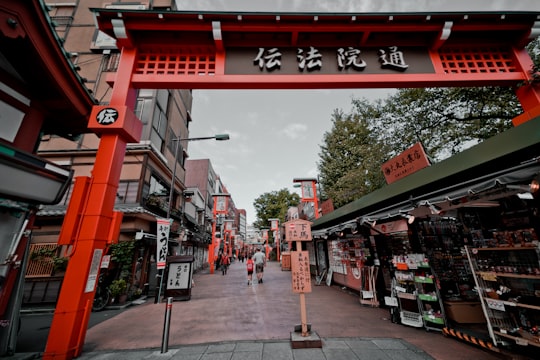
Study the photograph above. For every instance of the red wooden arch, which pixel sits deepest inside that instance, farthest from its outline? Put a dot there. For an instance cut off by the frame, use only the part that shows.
(194, 50)
(217, 50)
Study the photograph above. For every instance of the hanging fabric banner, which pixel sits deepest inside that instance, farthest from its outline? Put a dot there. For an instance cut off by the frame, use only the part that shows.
(163, 226)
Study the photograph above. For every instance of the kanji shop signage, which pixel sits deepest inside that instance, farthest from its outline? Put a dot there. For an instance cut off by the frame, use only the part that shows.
(406, 163)
(312, 60)
(301, 278)
(162, 237)
(179, 276)
(298, 230)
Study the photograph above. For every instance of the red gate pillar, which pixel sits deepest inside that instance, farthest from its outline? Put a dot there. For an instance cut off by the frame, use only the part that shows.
(92, 226)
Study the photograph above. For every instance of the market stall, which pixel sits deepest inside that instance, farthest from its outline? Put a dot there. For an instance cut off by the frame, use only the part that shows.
(482, 198)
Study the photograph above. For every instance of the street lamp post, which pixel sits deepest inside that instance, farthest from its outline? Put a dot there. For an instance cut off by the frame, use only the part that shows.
(264, 231)
(218, 137)
(227, 236)
(274, 227)
(221, 208)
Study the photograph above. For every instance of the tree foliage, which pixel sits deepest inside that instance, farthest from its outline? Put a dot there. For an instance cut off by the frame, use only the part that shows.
(273, 205)
(534, 51)
(349, 155)
(444, 120)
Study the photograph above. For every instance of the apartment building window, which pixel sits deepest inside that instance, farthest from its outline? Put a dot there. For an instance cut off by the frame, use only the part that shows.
(157, 186)
(172, 146)
(159, 128)
(127, 192)
(159, 120)
(142, 110)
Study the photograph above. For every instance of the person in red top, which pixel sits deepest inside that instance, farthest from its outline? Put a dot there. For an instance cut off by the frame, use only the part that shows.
(224, 263)
(250, 265)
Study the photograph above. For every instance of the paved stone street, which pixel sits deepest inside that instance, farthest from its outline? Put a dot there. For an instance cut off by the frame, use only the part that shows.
(225, 312)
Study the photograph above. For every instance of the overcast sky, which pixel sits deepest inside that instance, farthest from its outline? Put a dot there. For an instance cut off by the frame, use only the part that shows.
(276, 134)
(338, 6)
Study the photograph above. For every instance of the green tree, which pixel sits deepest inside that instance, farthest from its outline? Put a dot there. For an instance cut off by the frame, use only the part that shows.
(349, 165)
(445, 120)
(122, 254)
(534, 51)
(274, 205)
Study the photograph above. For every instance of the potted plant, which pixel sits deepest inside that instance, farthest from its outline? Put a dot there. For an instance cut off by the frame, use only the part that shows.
(118, 289)
(59, 264)
(50, 255)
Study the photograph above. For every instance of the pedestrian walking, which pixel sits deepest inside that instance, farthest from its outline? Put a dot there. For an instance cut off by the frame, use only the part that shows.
(218, 261)
(250, 266)
(225, 261)
(260, 262)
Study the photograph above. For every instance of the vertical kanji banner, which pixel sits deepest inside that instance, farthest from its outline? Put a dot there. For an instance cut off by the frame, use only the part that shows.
(301, 277)
(162, 237)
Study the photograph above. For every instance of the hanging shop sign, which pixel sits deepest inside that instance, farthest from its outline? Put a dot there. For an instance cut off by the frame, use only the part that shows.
(405, 164)
(163, 226)
(327, 207)
(390, 227)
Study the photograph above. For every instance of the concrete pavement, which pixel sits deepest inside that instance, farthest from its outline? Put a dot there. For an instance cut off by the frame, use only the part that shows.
(227, 319)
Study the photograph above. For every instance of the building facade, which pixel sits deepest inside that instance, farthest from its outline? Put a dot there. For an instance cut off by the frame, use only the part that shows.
(144, 193)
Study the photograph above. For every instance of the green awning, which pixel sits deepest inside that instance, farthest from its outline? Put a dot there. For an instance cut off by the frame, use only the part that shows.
(515, 146)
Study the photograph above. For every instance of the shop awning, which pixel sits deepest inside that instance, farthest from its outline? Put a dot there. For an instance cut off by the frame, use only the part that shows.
(506, 154)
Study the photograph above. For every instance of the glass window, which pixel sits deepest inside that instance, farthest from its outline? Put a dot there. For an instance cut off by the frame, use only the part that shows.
(157, 187)
(127, 192)
(163, 98)
(159, 128)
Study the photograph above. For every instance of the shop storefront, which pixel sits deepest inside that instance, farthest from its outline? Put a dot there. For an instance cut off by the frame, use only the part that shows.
(454, 246)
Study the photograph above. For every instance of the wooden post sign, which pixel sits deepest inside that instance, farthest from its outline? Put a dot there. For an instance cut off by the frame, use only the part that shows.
(300, 230)
(301, 278)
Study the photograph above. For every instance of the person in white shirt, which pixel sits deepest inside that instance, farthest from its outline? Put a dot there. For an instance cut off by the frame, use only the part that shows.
(260, 262)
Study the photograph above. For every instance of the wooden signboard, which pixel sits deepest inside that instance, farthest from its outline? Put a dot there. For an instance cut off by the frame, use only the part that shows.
(406, 163)
(298, 230)
(301, 278)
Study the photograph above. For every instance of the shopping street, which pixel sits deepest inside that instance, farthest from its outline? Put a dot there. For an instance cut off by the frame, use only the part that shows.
(225, 314)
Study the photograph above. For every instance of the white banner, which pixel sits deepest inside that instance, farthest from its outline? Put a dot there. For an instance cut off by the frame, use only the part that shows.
(163, 226)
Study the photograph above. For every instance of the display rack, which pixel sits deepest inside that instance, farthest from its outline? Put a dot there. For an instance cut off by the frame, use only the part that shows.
(417, 293)
(405, 290)
(508, 282)
(409, 313)
(368, 292)
(429, 298)
(443, 243)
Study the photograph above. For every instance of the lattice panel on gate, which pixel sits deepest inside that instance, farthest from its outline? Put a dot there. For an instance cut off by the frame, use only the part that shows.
(175, 64)
(476, 61)
(42, 265)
